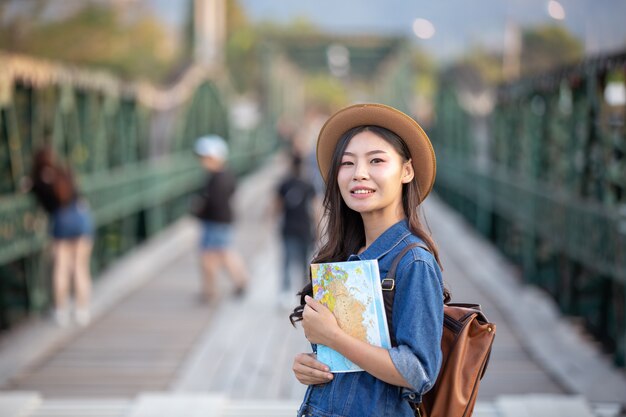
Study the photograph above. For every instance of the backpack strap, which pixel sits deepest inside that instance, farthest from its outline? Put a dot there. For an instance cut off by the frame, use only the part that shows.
(389, 286)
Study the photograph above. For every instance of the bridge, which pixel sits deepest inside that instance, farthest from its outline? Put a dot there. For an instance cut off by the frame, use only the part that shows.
(528, 214)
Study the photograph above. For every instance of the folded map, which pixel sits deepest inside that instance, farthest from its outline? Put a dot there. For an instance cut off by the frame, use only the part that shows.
(352, 292)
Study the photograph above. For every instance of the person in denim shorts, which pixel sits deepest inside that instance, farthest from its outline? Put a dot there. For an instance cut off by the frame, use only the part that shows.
(71, 229)
(378, 166)
(213, 208)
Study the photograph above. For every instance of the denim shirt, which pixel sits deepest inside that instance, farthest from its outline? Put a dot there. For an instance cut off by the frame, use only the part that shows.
(417, 324)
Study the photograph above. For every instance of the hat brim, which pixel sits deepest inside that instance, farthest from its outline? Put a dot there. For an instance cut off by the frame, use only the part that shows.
(373, 114)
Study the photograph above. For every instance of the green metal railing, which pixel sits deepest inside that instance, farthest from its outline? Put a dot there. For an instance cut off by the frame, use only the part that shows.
(130, 145)
(547, 184)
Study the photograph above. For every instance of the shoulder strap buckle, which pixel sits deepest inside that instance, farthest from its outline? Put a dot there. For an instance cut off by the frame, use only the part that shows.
(388, 284)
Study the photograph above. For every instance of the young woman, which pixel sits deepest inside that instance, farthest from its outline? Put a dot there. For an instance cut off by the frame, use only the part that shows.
(378, 165)
(71, 230)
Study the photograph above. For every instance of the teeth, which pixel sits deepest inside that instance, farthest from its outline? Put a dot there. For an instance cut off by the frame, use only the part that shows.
(362, 191)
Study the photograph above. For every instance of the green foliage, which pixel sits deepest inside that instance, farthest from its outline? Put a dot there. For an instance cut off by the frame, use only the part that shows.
(424, 71)
(547, 47)
(325, 91)
(242, 58)
(421, 61)
(99, 36)
(544, 48)
(296, 28)
(488, 65)
(242, 44)
(476, 71)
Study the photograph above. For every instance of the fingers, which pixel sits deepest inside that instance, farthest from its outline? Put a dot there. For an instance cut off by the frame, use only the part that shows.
(306, 311)
(311, 303)
(318, 322)
(308, 314)
(310, 360)
(310, 371)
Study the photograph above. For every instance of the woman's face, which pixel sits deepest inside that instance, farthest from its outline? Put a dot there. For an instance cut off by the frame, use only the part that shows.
(371, 175)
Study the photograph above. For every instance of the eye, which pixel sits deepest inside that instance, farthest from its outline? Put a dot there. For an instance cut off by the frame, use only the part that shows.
(377, 160)
(346, 163)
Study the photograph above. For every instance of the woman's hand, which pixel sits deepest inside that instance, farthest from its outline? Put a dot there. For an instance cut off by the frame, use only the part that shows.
(310, 371)
(319, 324)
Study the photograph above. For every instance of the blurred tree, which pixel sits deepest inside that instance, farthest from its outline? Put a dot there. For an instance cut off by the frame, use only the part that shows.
(188, 32)
(298, 27)
(135, 46)
(244, 40)
(425, 75)
(242, 54)
(425, 70)
(325, 91)
(547, 47)
(15, 26)
(478, 69)
(543, 49)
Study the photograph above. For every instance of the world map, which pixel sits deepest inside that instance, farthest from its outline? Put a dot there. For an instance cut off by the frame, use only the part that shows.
(352, 292)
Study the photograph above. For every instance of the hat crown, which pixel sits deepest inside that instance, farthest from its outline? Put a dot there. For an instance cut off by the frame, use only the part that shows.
(211, 145)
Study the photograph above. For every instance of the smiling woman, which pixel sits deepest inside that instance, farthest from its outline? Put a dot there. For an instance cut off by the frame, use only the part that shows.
(378, 165)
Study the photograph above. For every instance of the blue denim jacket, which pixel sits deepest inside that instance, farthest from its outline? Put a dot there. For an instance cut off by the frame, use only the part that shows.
(417, 322)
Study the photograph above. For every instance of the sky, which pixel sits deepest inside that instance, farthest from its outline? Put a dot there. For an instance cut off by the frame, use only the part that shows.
(458, 23)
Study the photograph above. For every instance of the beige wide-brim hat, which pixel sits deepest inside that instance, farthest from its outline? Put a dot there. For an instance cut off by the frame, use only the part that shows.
(373, 114)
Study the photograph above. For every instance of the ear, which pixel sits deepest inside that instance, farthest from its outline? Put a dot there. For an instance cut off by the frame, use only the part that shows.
(407, 172)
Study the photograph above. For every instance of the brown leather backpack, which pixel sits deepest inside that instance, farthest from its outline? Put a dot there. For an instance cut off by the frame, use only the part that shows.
(465, 344)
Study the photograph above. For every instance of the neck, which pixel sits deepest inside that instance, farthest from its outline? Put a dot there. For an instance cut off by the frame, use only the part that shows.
(375, 224)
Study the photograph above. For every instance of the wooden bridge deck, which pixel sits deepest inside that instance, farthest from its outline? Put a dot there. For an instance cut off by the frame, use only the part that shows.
(161, 338)
(136, 347)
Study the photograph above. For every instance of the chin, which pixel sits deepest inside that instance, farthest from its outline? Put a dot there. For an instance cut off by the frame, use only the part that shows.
(360, 208)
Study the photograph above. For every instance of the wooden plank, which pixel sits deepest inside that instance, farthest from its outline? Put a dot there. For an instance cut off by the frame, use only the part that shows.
(569, 363)
(137, 346)
(248, 350)
(512, 370)
(83, 408)
(168, 405)
(538, 405)
(18, 403)
(262, 409)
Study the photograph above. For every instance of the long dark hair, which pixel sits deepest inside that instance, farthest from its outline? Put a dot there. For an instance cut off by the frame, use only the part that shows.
(53, 183)
(344, 233)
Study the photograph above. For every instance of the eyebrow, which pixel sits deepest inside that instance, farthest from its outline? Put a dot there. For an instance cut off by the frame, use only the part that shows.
(377, 151)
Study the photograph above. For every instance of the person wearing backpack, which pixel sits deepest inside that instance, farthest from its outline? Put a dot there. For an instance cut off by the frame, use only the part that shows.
(378, 166)
(296, 202)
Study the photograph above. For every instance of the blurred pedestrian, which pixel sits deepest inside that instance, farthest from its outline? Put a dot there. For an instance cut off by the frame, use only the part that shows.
(213, 208)
(304, 144)
(285, 132)
(296, 203)
(71, 229)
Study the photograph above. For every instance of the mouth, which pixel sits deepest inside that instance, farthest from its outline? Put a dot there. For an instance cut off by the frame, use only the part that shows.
(362, 191)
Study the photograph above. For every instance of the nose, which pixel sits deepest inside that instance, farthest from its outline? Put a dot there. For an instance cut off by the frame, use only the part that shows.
(360, 172)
